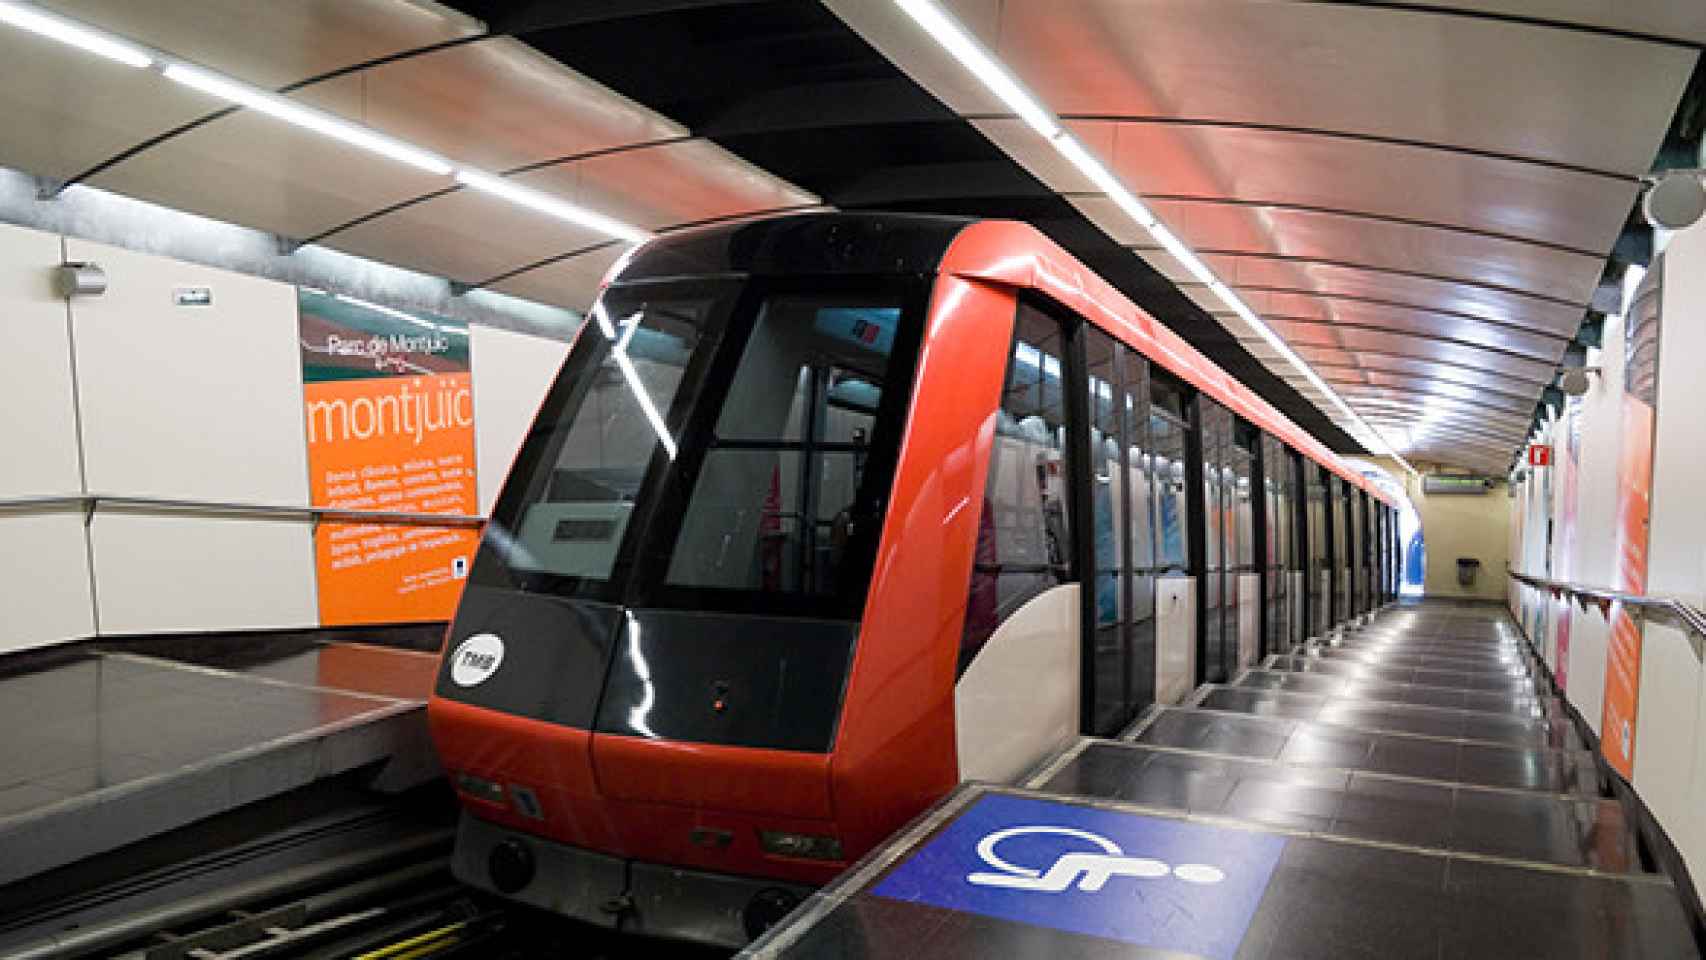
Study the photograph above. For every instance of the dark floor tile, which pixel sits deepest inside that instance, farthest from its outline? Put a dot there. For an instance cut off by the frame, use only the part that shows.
(1395, 812)
(1323, 746)
(1407, 757)
(1097, 772)
(1283, 804)
(1291, 706)
(1330, 899)
(1218, 733)
(1502, 911)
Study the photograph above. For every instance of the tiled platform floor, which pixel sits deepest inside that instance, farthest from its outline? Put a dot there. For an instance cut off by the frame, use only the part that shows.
(105, 747)
(1410, 792)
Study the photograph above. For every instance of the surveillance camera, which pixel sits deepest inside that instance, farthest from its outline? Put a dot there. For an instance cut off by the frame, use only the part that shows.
(1676, 200)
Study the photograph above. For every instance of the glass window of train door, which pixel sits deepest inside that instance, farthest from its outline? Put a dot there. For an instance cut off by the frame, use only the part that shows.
(1242, 541)
(1213, 465)
(1169, 447)
(1318, 574)
(1337, 514)
(1025, 535)
(1109, 647)
(1141, 525)
(1271, 525)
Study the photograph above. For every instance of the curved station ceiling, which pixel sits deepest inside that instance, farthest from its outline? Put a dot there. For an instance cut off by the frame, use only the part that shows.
(1418, 200)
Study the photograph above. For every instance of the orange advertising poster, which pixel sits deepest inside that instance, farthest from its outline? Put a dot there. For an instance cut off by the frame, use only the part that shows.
(1623, 657)
(389, 411)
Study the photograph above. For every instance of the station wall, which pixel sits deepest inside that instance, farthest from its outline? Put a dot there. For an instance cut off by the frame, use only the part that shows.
(1568, 529)
(131, 394)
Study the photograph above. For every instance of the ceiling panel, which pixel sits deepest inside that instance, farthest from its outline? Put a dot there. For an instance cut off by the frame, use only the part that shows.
(251, 169)
(1424, 366)
(1437, 296)
(1419, 395)
(1381, 372)
(1580, 210)
(1349, 314)
(671, 184)
(1368, 70)
(1680, 19)
(63, 111)
(1217, 226)
(1302, 336)
(276, 42)
(499, 104)
(472, 237)
(571, 282)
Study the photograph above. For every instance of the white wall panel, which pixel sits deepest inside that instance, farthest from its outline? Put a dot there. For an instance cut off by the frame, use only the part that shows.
(44, 580)
(1676, 551)
(512, 371)
(160, 573)
(190, 402)
(1664, 732)
(1589, 635)
(38, 428)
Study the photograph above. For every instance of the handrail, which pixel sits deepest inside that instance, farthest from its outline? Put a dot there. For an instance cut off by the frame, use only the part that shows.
(94, 501)
(1687, 616)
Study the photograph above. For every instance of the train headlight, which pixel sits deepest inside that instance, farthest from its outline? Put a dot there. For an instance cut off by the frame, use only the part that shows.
(804, 845)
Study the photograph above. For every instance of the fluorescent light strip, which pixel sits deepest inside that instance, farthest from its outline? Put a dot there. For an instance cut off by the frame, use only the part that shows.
(994, 74)
(35, 20)
(545, 203)
(983, 64)
(309, 118)
(54, 27)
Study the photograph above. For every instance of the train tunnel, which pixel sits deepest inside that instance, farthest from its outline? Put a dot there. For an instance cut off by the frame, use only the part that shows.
(852, 478)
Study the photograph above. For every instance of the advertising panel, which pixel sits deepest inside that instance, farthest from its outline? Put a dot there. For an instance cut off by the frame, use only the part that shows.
(389, 408)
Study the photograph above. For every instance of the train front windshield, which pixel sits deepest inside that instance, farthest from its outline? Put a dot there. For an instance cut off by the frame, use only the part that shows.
(721, 445)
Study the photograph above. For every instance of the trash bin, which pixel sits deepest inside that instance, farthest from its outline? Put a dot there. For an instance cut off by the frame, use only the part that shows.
(1467, 567)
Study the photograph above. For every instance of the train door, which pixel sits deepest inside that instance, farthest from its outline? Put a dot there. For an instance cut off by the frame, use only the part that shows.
(1370, 544)
(1338, 515)
(1121, 639)
(1218, 607)
(1276, 526)
(1358, 543)
(1243, 579)
(1177, 549)
(1319, 538)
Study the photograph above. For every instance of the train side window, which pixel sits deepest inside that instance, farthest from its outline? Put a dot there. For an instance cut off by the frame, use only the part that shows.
(1024, 544)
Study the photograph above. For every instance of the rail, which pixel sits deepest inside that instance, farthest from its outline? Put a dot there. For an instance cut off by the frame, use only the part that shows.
(91, 502)
(1665, 609)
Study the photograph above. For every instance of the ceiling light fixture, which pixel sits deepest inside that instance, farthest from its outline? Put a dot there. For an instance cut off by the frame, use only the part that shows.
(545, 203)
(54, 27)
(283, 108)
(215, 84)
(971, 54)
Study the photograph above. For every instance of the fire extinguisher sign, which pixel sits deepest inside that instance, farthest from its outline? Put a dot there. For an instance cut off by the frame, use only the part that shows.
(1540, 455)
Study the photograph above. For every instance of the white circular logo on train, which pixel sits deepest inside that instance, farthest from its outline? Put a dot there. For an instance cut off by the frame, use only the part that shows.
(476, 659)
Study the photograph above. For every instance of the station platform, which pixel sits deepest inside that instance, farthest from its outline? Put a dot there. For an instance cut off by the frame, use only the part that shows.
(112, 743)
(1409, 790)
